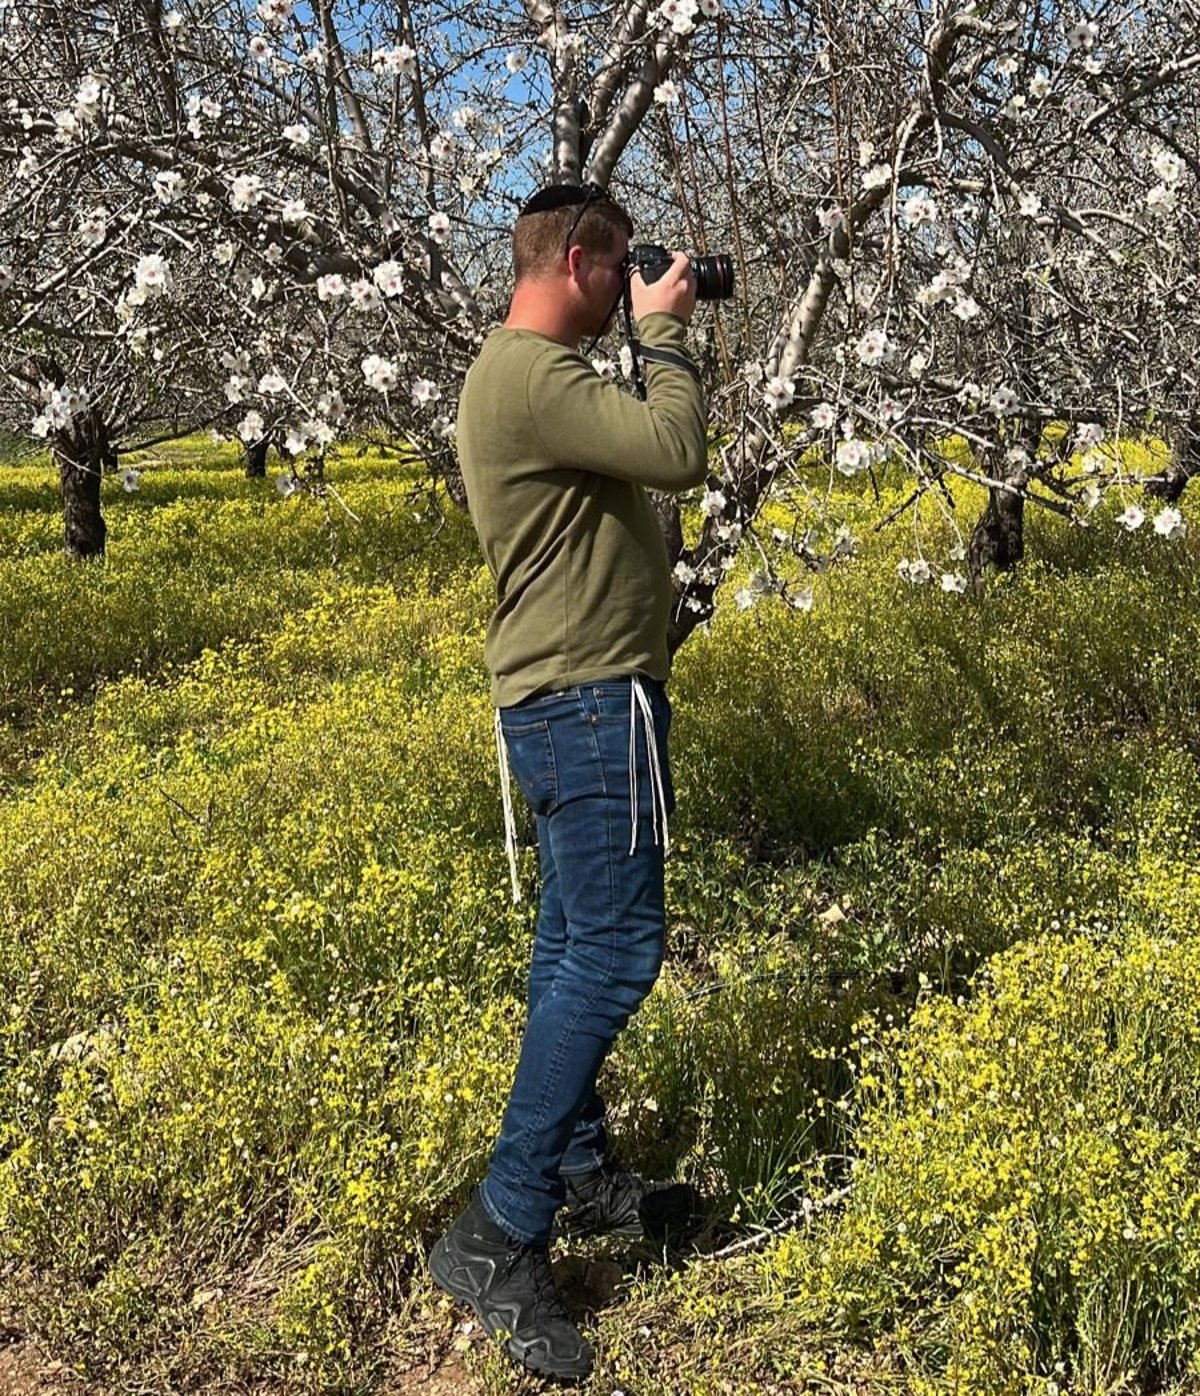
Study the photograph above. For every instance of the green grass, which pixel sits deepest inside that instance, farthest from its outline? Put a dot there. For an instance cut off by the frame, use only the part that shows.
(262, 978)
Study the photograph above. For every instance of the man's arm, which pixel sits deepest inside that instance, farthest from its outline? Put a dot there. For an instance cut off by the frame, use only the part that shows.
(586, 422)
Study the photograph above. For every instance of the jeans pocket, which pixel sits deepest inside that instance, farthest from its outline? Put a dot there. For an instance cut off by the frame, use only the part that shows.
(531, 756)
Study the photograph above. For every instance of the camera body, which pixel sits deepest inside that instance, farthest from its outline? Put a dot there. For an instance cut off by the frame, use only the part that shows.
(714, 275)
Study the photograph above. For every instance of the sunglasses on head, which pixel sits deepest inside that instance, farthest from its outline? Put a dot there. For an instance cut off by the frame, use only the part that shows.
(581, 196)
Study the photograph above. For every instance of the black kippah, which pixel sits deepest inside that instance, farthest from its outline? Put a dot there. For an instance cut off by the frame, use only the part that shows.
(562, 196)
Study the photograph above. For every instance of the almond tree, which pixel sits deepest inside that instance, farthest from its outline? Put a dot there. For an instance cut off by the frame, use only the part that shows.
(954, 227)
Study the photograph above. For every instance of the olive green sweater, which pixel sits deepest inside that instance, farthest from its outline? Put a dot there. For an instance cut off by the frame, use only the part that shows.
(556, 463)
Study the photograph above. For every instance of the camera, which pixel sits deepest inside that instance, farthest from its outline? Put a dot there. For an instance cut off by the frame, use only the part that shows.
(714, 275)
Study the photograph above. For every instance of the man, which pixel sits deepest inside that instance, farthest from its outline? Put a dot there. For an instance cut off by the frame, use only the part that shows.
(556, 463)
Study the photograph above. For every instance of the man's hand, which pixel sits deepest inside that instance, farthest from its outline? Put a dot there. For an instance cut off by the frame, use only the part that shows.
(674, 291)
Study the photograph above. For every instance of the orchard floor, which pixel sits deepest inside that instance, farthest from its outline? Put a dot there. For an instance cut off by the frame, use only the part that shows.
(442, 1349)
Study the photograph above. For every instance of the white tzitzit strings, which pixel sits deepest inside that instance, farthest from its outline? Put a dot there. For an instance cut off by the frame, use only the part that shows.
(510, 823)
(658, 799)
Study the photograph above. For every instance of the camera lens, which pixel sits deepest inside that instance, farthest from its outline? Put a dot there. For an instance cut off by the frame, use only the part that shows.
(714, 277)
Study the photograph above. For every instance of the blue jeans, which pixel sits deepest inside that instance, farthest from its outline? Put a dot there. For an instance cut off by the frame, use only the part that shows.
(598, 946)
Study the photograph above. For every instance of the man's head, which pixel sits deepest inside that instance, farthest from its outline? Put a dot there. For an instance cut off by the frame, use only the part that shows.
(563, 216)
(569, 247)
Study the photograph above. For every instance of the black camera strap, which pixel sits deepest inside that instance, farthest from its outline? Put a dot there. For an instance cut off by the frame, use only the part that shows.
(643, 353)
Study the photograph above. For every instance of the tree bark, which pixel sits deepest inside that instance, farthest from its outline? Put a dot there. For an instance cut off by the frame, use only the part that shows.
(1184, 463)
(80, 456)
(998, 539)
(256, 458)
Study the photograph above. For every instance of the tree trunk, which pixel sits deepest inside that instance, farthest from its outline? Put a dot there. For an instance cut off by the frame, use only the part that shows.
(256, 458)
(1184, 463)
(998, 539)
(80, 456)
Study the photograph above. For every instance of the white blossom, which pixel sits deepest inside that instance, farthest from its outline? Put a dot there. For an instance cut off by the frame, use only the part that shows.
(312, 58)
(298, 133)
(852, 455)
(1007, 65)
(1170, 524)
(271, 383)
(251, 427)
(1083, 34)
(94, 227)
(424, 391)
(168, 186)
(286, 485)
(917, 571)
(801, 599)
(1003, 402)
(172, 21)
(364, 296)
(877, 176)
(514, 61)
(88, 98)
(130, 479)
(331, 404)
(1029, 205)
(441, 146)
(1090, 495)
(275, 12)
(729, 533)
(873, 348)
(666, 93)
(712, 503)
(439, 226)
(153, 274)
(1132, 518)
(823, 416)
(397, 61)
(1162, 199)
(684, 574)
(965, 307)
(1168, 166)
(954, 582)
(830, 217)
(245, 192)
(66, 127)
(295, 441)
(330, 287)
(223, 253)
(920, 211)
(389, 278)
(380, 373)
(259, 49)
(1039, 86)
(1087, 435)
(779, 393)
(293, 211)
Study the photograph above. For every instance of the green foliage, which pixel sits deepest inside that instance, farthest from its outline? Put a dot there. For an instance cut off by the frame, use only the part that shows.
(262, 977)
